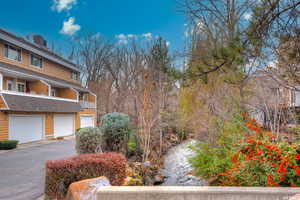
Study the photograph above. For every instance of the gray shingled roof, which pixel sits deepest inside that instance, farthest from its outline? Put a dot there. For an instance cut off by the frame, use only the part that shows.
(36, 104)
(8, 68)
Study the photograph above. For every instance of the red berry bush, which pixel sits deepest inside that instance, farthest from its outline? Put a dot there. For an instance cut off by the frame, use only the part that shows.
(245, 154)
(262, 162)
(61, 173)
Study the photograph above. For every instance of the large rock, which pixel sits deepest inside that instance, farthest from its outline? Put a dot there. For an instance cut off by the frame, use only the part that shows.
(86, 189)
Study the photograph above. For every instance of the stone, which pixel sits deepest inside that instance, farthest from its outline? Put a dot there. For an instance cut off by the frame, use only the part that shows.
(158, 179)
(86, 189)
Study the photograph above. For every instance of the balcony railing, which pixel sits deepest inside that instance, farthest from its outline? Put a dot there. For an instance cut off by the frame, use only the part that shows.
(87, 105)
(35, 95)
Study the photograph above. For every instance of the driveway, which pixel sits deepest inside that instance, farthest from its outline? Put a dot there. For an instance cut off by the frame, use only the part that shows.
(22, 171)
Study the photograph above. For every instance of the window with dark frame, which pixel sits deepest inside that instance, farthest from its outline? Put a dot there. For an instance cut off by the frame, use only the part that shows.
(13, 53)
(21, 87)
(36, 61)
(74, 75)
(10, 85)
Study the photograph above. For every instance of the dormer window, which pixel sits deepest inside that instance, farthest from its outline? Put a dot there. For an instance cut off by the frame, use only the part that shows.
(13, 53)
(36, 61)
(74, 75)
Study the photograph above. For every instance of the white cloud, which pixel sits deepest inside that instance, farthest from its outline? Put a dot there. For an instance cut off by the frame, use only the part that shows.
(147, 36)
(97, 35)
(122, 38)
(132, 36)
(247, 16)
(168, 43)
(61, 5)
(69, 27)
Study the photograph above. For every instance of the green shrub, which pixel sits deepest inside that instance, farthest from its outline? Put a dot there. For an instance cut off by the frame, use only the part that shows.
(213, 157)
(132, 144)
(89, 140)
(9, 144)
(116, 131)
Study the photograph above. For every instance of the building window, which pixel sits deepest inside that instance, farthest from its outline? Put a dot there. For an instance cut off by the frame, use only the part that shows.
(74, 75)
(36, 61)
(21, 87)
(53, 92)
(10, 85)
(13, 53)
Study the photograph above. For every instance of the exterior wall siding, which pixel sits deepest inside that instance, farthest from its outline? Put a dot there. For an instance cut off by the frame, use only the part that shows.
(39, 87)
(91, 98)
(49, 68)
(66, 93)
(49, 125)
(3, 126)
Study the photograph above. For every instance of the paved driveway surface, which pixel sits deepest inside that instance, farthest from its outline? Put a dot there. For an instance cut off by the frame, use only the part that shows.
(22, 172)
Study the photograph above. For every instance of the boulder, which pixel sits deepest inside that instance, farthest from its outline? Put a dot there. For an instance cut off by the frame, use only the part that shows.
(85, 189)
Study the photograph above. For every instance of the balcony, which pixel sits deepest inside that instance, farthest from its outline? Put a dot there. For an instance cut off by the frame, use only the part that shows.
(87, 105)
(36, 95)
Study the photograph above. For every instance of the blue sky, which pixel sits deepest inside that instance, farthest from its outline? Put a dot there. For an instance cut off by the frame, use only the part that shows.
(118, 19)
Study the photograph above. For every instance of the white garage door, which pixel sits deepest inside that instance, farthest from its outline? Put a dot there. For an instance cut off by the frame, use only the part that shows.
(26, 128)
(86, 121)
(63, 125)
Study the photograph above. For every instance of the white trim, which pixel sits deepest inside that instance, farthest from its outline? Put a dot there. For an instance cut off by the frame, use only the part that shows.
(77, 94)
(49, 87)
(37, 67)
(1, 81)
(39, 78)
(54, 92)
(94, 116)
(87, 114)
(16, 47)
(37, 96)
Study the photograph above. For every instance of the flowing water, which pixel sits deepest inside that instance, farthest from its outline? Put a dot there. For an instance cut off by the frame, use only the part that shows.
(177, 167)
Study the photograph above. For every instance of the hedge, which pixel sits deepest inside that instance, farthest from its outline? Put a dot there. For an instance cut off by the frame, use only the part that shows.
(9, 144)
(61, 173)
